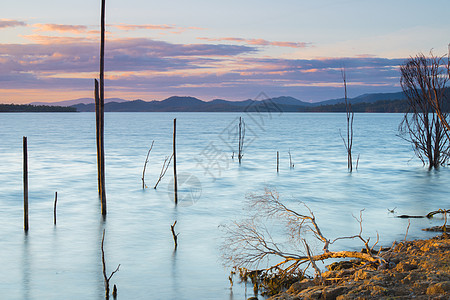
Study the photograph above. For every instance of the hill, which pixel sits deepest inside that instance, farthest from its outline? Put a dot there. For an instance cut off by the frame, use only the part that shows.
(368, 102)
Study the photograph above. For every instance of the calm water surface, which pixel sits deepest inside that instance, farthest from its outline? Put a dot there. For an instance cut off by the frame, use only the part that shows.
(64, 261)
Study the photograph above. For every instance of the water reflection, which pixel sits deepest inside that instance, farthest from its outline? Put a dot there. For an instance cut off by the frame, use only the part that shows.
(26, 267)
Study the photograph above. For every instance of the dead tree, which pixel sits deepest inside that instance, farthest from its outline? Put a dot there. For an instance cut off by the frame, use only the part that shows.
(250, 244)
(107, 278)
(437, 105)
(164, 168)
(241, 137)
(100, 116)
(423, 81)
(145, 166)
(348, 143)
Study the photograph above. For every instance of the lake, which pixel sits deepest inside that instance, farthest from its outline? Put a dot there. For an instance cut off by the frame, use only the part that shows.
(64, 261)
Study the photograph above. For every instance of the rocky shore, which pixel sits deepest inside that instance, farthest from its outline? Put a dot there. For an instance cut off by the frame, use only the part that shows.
(414, 270)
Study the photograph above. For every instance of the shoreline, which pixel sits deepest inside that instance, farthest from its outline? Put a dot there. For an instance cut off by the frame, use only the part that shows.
(418, 269)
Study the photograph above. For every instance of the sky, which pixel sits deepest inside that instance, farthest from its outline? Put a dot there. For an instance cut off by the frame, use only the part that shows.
(233, 50)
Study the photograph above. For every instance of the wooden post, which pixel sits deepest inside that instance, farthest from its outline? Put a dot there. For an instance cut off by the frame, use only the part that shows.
(239, 145)
(54, 208)
(100, 116)
(278, 161)
(175, 161)
(25, 184)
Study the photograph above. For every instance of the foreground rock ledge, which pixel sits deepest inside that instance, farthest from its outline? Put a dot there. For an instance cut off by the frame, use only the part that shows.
(417, 269)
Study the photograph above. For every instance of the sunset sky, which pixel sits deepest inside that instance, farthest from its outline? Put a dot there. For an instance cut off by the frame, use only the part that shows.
(213, 49)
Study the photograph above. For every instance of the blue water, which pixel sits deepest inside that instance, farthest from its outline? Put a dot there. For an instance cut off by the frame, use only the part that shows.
(64, 261)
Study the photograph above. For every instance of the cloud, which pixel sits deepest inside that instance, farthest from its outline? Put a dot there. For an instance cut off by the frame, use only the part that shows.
(161, 27)
(129, 27)
(76, 29)
(143, 67)
(4, 23)
(258, 42)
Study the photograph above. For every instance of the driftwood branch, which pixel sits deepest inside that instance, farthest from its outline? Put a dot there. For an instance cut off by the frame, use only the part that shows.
(145, 166)
(164, 168)
(249, 244)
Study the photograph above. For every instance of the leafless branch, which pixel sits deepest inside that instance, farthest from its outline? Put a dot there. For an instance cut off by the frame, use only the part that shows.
(145, 166)
(105, 277)
(164, 168)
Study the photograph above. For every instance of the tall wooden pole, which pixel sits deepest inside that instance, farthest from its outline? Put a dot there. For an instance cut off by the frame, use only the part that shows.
(240, 140)
(100, 116)
(175, 161)
(25, 184)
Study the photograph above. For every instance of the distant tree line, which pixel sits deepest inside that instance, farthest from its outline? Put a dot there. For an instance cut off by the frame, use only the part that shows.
(382, 106)
(35, 108)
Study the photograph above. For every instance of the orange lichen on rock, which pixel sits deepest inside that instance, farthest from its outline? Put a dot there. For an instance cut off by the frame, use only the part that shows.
(415, 269)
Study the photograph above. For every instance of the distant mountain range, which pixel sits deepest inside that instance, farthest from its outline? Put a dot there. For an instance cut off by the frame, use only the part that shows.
(191, 104)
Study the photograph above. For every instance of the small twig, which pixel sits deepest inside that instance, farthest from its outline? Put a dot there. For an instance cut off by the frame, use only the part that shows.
(392, 211)
(313, 263)
(407, 229)
(145, 166)
(175, 235)
(291, 164)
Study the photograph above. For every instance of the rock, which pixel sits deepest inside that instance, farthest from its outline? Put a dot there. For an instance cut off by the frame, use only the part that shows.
(299, 286)
(333, 292)
(314, 292)
(405, 267)
(439, 288)
(362, 275)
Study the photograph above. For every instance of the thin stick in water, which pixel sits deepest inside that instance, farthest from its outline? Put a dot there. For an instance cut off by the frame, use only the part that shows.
(54, 208)
(175, 235)
(145, 166)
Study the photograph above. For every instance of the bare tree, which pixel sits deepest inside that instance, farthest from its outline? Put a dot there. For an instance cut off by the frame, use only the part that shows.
(437, 105)
(250, 244)
(423, 81)
(350, 115)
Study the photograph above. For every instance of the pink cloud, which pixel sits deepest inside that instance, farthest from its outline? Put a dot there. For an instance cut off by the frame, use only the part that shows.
(128, 27)
(4, 23)
(77, 29)
(258, 42)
